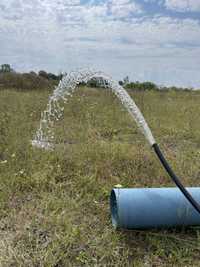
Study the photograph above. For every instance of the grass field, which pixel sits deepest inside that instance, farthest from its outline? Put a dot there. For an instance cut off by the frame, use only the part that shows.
(54, 205)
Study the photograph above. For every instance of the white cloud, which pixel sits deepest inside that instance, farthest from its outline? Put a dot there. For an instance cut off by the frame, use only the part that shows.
(119, 2)
(123, 11)
(183, 5)
(124, 8)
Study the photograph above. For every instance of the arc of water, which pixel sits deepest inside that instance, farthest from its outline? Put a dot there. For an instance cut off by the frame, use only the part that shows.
(45, 136)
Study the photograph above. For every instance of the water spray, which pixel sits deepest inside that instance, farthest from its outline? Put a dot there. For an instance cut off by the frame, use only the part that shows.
(130, 208)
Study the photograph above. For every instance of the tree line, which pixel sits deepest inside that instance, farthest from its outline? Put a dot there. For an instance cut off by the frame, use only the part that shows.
(9, 78)
(6, 68)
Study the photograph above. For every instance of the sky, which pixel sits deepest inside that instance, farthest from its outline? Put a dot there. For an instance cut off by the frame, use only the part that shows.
(148, 40)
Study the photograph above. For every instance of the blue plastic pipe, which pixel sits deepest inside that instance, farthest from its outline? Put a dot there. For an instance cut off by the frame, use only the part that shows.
(145, 208)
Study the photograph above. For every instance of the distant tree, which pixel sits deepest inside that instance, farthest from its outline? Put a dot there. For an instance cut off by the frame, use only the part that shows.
(92, 83)
(82, 84)
(121, 83)
(33, 73)
(6, 68)
(126, 81)
(43, 74)
(149, 86)
(52, 76)
(97, 82)
(142, 86)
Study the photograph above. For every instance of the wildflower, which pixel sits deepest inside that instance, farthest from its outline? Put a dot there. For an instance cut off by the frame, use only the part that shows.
(21, 171)
(118, 186)
(4, 162)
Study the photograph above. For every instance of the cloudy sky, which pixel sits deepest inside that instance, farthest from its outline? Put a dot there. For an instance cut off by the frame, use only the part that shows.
(156, 40)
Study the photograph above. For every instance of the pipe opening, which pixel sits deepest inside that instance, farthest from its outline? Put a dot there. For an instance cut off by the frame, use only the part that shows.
(114, 209)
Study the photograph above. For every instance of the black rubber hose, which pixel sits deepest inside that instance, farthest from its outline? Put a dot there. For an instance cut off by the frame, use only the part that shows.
(175, 178)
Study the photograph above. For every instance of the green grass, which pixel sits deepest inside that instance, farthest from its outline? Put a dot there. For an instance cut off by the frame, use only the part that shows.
(54, 205)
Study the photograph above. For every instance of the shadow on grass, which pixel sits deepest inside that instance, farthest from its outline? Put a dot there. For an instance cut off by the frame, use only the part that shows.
(187, 237)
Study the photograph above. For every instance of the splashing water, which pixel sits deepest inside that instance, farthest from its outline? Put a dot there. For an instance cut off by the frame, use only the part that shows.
(45, 134)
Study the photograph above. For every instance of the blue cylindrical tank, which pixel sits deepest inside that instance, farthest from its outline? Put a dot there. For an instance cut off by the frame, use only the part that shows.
(143, 208)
